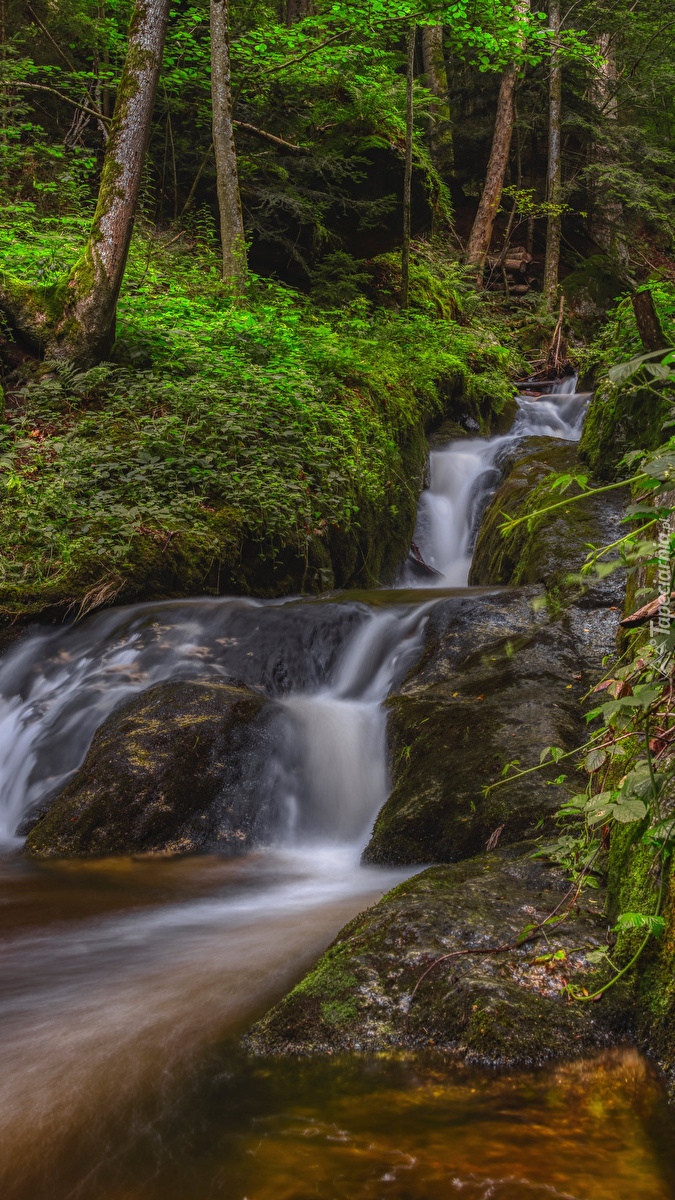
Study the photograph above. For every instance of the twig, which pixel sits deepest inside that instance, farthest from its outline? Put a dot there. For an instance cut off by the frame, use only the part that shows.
(41, 87)
(521, 939)
(269, 137)
(54, 43)
(197, 177)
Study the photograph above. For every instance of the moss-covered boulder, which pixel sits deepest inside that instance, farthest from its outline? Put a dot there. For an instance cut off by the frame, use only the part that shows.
(174, 770)
(497, 681)
(593, 288)
(555, 545)
(649, 987)
(620, 420)
(488, 1007)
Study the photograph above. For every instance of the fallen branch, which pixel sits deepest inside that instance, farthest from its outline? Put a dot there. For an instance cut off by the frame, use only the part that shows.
(41, 87)
(644, 614)
(269, 137)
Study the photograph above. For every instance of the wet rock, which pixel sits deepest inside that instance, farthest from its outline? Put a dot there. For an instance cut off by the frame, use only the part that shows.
(490, 1008)
(175, 769)
(556, 545)
(497, 681)
(619, 420)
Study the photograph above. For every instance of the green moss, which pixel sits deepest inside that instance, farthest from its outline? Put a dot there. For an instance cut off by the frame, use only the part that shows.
(620, 420)
(550, 548)
(265, 447)
(650, 986)
(493, 1008)
(592, 289)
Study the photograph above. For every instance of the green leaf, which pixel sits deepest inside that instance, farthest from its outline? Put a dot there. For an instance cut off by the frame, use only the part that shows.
(629, 810)
(594, 760)
(655, 925)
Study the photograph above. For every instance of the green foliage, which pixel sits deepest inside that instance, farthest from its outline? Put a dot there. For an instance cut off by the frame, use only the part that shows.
(219, 421)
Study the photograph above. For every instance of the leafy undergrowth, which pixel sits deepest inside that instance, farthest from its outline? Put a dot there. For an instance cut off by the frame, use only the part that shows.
(223, 429)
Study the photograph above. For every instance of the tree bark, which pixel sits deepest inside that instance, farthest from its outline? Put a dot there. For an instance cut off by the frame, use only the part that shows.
(480, 237)
(407, 177)
(607, 212)
(75, 318)
(647, 321)
(229, 200)
(554, 180)
(440, 131)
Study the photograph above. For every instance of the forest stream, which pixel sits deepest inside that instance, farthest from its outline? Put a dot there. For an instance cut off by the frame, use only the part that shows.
(127, 980)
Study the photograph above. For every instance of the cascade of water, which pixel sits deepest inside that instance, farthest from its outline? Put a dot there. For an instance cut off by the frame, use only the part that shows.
(329, 666)
(464, 473)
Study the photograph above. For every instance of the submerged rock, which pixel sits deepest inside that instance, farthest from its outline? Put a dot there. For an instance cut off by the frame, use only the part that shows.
(175, 769)
(497, 682)
(492, 1008)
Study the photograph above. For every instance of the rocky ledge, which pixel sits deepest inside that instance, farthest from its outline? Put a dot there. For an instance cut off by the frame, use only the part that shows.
(507, 1007)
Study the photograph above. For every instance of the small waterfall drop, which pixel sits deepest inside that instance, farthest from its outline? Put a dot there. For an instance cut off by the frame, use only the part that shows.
(464, 473)
(328, 667)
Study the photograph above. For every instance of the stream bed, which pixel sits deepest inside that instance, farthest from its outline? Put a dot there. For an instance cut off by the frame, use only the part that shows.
(126, 980)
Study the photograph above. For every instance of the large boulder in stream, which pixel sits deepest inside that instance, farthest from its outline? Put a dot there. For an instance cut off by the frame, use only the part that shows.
(175, 769)
(501, 1007)
(553, 546)
(496, 682)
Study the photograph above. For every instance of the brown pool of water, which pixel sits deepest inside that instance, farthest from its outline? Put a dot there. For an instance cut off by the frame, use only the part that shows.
(122, 987)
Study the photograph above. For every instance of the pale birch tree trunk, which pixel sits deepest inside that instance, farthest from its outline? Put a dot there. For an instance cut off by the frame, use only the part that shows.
(554, 178)
(75, 319)
(229, 200)
(480, 237)
(440, 131)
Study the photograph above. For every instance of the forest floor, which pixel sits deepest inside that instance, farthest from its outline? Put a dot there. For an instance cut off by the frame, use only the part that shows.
(227, 431)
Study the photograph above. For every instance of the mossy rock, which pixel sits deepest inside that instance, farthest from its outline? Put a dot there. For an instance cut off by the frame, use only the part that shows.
(496, 682)
(174, 770)
(555, 545)
(593, 288)
(488, 1008)
(650, 985)
(620, 420)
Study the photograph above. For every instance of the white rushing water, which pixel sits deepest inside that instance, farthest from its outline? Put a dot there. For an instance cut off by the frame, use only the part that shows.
(464, 473)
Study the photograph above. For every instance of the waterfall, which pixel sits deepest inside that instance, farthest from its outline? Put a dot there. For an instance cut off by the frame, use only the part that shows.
(465, 473)
(327, 666)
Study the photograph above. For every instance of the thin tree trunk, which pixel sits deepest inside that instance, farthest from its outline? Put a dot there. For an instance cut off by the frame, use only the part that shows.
(554, 181)
(607, 213)
(75, 318)
(229, 200)
(440, 132)
(480, 237)
(407, 177)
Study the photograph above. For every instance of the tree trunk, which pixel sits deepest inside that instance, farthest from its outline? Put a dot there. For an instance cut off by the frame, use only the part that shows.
(647, 321)
(407, 177)
(75, 318)
(480, 237)
(607, 212)
(440, 131)
(554, 181)
(229, 201)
